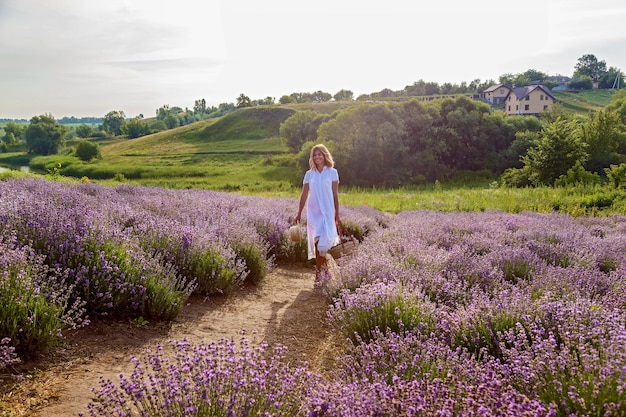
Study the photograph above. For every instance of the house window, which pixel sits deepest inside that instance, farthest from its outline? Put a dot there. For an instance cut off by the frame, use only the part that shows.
(541, 97)
(502, 91)
(526, 107)
(545, 107)
(509, 108)
(527, 98)
(516, 107)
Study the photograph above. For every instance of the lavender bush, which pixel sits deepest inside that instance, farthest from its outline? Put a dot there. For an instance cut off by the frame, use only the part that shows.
(529, 314)
(8, 356)
(218, 379)
(35, 302)
(141, 251)
(463, 314)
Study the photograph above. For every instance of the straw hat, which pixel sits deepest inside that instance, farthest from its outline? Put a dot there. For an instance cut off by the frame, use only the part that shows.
(295, 233)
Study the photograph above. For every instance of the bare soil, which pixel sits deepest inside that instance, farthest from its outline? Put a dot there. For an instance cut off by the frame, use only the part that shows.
(284, 309)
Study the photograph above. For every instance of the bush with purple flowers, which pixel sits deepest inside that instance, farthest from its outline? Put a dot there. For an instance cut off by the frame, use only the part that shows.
(527, 317)
(132, 251)
(35, 302)
(226, 378)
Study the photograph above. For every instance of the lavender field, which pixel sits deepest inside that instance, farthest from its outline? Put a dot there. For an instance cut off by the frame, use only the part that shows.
(443, 314)
(70, 252)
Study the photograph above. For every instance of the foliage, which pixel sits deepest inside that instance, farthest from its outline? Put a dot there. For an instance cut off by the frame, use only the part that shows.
(44, 136)
(84, 131)
(589, 66)
(113, 122)
(243, 101)
(367, 145)
(601, 133)
(557, 150)
(616, 175)
(343, 95)
(13, 133)
(86, 150)
(35, 302)
(577, 175)
(135, 128)
(301, 127)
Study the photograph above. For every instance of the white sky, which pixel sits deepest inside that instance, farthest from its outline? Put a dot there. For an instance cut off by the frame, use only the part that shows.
(88, 57)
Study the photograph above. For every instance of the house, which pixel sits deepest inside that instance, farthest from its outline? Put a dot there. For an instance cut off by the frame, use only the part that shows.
(528, 100)
(496, 94)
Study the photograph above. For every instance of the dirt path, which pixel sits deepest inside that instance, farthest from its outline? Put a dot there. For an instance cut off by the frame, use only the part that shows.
(284, 310)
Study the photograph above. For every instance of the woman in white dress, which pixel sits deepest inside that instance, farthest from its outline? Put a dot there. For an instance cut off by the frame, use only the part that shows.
(319, 193)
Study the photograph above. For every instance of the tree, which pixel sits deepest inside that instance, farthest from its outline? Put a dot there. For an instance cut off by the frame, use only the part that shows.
(423, 147)
(199, 107)
(84, 131)
(136, 128)
(287, 99)
(367, 145)
(171, 120)
(469, 133)
(243, 101)
(320, 96)
(86, 151)
(113, 121)
(534, 75)
(601, 134)
(44, 136)
(584, 82)
(158, 126)
(298, 129)
(590, 66)
(13, 133)
(344, 95)
(614, 78)
(558, 149)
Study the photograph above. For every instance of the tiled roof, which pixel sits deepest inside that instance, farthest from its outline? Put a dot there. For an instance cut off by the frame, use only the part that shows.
(522, 92)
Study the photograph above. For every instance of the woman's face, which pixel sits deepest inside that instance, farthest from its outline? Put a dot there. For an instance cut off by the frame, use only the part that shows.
(318, 158)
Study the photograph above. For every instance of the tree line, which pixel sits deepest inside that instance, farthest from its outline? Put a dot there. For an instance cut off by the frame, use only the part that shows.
(415, 142)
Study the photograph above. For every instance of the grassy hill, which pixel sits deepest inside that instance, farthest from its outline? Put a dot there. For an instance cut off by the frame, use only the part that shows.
(584, 101)
(240, 151)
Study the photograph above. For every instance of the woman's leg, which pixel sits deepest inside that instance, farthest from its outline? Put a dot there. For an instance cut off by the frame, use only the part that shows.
(320, 261)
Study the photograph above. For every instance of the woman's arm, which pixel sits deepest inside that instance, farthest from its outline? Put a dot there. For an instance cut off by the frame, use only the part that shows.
(336, 200)
(303, 197)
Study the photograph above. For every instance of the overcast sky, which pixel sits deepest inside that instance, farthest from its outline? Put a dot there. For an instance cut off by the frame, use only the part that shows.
(88, 57)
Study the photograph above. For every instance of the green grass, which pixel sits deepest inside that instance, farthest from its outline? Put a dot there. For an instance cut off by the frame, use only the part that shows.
(242, 152)
(576, 201)
(584, 101)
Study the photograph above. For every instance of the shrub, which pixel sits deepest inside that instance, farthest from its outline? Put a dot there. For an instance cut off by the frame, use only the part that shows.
(218, 379)
(87, 151)
(35, 304)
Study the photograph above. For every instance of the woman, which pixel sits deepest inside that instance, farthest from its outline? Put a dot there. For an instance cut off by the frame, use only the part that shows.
(319, 193)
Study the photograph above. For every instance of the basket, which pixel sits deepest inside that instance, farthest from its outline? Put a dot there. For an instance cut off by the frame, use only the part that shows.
(348, 244)
(295, 233)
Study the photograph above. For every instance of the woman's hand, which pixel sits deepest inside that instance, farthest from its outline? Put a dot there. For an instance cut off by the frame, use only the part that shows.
(297, 219)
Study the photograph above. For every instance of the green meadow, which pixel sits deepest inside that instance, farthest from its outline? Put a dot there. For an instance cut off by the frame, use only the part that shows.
(242, 152)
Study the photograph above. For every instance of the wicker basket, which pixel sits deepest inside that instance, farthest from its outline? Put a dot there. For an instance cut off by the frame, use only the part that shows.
(348, 244)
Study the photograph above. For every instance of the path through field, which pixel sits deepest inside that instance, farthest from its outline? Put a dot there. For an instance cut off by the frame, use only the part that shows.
(284, 310)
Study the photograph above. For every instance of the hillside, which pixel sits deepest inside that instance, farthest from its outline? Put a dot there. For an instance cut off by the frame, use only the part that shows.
(239, 151)
(254, 130)
(584, 101)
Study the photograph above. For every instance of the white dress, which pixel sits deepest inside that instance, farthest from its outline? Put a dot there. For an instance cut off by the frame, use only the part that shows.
(320, 210)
